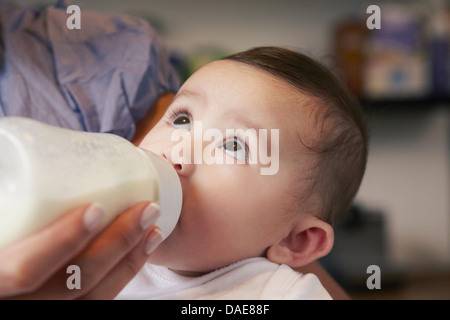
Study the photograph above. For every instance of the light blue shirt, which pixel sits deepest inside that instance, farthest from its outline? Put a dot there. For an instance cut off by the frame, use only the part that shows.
(101, 78)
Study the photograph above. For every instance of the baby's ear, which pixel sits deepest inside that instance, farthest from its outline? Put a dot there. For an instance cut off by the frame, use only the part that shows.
(310, 239)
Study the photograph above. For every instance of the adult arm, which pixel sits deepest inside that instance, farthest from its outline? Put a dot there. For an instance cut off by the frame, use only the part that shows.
(330, 284)
(144, 125)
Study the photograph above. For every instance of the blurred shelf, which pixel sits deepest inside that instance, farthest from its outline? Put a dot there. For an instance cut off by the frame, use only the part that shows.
(416, 104)
(425, 286)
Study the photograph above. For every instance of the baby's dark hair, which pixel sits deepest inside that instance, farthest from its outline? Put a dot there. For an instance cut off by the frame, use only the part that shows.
(341, 145)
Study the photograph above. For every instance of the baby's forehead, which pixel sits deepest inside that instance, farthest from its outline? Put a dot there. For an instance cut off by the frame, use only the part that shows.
(249, 78)
(250, 91)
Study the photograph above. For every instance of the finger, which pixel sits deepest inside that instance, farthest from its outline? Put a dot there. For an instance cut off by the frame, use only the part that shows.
(103, 253)
(127, 268)
(28, 263)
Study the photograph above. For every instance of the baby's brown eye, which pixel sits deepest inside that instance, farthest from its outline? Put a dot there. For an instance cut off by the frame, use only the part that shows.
(236, 148)
(182, 121)
(232, 146)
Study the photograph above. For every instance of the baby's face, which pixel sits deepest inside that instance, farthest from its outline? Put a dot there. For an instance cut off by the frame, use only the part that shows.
(230, 211)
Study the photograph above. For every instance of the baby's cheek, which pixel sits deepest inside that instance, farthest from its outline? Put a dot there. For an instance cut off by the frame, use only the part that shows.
(158, 137)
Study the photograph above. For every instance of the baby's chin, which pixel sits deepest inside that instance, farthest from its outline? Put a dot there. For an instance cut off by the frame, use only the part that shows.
(182, 271)
(166, 254)
(176, 263)
(187, 273)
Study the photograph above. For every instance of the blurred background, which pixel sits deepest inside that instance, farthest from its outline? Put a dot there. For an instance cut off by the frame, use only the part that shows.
(401, 73)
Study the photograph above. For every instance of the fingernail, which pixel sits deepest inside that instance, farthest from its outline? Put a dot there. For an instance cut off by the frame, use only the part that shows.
(154, 239)
(93, 216)
(149, 215)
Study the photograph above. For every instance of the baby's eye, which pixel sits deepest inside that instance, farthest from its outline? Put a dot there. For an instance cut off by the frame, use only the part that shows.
(182, 121)
(236, 148)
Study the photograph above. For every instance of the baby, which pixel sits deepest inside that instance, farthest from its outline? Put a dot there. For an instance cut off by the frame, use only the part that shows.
(241, 233)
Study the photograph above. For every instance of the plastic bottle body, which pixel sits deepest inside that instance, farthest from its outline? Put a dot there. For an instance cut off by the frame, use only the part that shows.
(46, 170)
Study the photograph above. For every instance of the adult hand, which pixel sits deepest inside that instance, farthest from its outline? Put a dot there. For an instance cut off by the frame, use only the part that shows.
(334, 289)
(36, 267)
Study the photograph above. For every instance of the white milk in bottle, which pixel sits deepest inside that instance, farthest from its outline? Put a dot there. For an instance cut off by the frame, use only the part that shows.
(47, 170)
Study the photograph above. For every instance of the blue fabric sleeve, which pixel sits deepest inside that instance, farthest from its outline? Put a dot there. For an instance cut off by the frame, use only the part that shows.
(101, 78)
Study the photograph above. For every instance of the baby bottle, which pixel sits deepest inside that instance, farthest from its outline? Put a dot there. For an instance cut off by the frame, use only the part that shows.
(47, 170)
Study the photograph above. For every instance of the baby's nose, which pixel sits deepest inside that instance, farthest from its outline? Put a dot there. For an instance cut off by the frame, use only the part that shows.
(181, 167)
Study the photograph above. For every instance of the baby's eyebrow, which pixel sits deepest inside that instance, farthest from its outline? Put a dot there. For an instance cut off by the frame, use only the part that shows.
(188, 93)
(235, 113)
(244, 120)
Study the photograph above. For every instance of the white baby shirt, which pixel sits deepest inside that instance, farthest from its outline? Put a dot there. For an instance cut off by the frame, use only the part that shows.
(249, 279)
